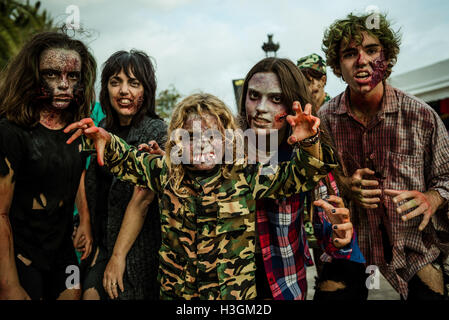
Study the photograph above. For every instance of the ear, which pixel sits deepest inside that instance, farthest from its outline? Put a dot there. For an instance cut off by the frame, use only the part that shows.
(324, 80)
(337, 71)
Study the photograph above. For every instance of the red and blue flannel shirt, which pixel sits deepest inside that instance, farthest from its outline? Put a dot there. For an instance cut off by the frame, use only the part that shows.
(284, 246)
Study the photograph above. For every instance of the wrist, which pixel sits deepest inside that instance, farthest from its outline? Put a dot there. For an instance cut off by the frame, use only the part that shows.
(310, 141)
(84, 219)
(119, 254)
(435, 199)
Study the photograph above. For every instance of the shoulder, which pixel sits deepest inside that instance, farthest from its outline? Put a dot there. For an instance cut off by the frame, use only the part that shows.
(102, 123)
(153, 124)
(331, 106)
(10, 129)
(152, 129)
(411, 106)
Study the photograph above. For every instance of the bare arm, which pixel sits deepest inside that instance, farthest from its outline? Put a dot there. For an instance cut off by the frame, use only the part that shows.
(132, 224)
(10, 287)
(83, 237)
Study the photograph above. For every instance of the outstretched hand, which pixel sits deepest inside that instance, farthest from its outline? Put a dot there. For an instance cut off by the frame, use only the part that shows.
(339, 217)
(87, 127)
(304, 124)
(151, 147)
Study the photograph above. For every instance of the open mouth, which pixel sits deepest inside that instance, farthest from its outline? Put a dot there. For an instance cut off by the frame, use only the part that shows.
(362, 76)
(124, 102)
(204, 158)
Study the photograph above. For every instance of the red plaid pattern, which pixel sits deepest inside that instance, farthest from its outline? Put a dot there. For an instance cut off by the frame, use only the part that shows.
(408, 145)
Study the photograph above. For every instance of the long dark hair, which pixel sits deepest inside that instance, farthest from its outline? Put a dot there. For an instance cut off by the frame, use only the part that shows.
(294, 88)
(140, 65)
(20, 83)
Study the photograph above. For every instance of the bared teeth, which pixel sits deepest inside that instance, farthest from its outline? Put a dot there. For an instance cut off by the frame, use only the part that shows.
(125, 101)
(362, 75)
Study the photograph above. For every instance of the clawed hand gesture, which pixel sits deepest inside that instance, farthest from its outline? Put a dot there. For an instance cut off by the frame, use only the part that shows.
(87, 127)
(339, 217)
(304, 124)
(151, 147)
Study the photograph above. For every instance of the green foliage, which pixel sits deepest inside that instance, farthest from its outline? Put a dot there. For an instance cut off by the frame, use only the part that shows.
(18, 22)
(166, 102)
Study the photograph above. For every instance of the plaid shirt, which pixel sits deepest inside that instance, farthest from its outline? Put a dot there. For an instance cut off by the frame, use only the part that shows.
(407, 144)
(283, 242)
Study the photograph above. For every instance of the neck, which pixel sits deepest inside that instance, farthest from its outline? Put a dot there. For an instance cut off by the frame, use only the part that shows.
(124, 121)
(51, 118)
(320, 101)
(366, 106)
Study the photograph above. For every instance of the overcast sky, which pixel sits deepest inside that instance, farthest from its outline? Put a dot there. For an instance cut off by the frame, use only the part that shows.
(202, 45)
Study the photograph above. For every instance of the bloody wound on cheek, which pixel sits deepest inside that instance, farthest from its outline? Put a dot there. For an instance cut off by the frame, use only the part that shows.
(379, 66)
(281, 116)
(44, 92)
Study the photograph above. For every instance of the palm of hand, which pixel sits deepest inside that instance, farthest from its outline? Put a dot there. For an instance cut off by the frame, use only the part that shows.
(304, 124)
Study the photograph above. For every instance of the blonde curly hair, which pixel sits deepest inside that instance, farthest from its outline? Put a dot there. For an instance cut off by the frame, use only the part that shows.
(200, 104)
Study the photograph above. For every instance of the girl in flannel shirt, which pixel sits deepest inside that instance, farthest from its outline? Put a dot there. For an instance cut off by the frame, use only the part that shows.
(283, 252)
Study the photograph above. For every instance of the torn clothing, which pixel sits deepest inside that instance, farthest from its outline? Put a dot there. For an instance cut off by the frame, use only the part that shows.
(47, 172)
(42, 284)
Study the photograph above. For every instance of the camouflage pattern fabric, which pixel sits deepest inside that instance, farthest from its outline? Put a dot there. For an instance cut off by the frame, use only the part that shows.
(208, 237)
(312, 61)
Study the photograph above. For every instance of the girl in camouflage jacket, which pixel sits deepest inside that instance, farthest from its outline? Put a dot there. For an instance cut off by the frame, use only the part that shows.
(207, 202)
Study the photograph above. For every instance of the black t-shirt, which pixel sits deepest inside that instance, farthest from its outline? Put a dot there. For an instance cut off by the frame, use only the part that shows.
(47, 172)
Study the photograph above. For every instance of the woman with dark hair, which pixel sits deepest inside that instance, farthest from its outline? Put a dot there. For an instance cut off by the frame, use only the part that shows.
(127, 97)
(46, 86)
(282, 251)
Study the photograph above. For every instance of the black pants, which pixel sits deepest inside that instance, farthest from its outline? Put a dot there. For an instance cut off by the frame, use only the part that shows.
(351, 274)
(262, 287)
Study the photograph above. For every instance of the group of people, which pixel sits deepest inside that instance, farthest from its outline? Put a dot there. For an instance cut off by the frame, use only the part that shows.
(163, 217)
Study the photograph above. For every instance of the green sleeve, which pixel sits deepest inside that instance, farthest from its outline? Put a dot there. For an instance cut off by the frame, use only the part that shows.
(129, 164)
(300, 174)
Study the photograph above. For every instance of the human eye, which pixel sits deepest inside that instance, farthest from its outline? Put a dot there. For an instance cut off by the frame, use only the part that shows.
(277, 99)
(113, 83)
(253, 95)
(49, 74)
(135, 84)
(73, 75)
(349, 54)
(372, 51)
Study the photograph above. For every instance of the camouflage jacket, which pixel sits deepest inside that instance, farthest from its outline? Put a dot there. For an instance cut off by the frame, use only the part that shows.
(208, 238)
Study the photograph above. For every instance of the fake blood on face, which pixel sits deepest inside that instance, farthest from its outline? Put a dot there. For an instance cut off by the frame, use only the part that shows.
(281, 116)
(60, 72)
(379, 66)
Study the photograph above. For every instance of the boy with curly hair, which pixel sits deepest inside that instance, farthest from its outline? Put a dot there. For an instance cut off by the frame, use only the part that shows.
(393, 148)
